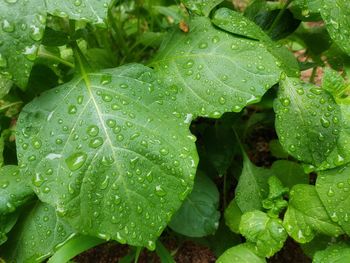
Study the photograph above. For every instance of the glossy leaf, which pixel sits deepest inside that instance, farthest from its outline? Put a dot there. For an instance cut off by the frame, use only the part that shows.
(332, 186)
(39, 233)
(308, 122)
(240, 254)
(103, 151)
(336, 14)
(14, 191)
(236, 23)
(252, 186)
(94, 11)
(336, 253)
(306, 215)
(266, 233)
(275, 202)
(22, 25)
(201, 7)
(213, 72)
(198, 215)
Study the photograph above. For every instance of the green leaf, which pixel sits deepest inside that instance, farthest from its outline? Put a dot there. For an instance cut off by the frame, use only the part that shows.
(36, 236)
(198, 215)
(104, 152)
(307, 10)
(212, 72)
(336, 15)
(320, 242)
(308, 122)
(7, 222)
(14, 192)
(266, 233)
(332, 187)
(21, 29)
(277, 150)
(252, 186)
(336, 253)
(240, 254)
(306, 215)
(5, 86)
(233, 215)
(290, 173)
(236, 23)
(201, 7)
(274, 202)
(94, 11)
(334, 83)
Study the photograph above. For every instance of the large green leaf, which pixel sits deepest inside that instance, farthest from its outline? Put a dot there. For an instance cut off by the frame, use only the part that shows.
(240, 254)
(252, 186)
(14, 191)
(105, 152)
(333, 189)
(212, 71)
(94, 11)
(22, 27)
(198, 215)
(308, 122)
(290, 173)
(38, 234)
(306, 215)
(266, 233)
(336, 14)
(335, 253)
(236, 23)
(201, 7)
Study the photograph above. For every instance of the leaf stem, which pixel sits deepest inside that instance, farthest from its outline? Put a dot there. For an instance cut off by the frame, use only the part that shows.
(43, 53)
(279, 16)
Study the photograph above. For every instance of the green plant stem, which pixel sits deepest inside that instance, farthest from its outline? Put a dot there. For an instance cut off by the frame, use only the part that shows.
(279, 16)
(74, 247)
(10, 105)
(137, 254)
(313, 74)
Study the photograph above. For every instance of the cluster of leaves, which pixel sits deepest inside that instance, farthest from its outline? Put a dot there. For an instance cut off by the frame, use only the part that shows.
(97, 101)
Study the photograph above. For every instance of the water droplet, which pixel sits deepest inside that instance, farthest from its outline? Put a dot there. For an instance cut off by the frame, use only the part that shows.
(93, 130)
(3, 61)
(285, 102)
(36, 33)
(36, 144)
(96, 142)
(76, 161)
(160, 191)
(203, 45)
(106, 79)
(30, 52)
(325, 123)
(72, 109)
(330, 192)
(38, 180)
(8, 26)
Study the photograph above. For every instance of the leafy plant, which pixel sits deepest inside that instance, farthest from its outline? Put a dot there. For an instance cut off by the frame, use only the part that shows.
(120, 120)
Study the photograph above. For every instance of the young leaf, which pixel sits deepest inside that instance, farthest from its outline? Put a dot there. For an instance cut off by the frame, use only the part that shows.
(252, 186)
(274, 202)
(201, 7)
(14, 191)
(306, 215)
(266, 233)
(36, 236)
(213, 72)
(104, 152)
(94, 11)
(233, 215)
(336, 14)
(198, 215)
(22, 27)
(339, 252)
(308, 122)
(242, 253)
(332, 187)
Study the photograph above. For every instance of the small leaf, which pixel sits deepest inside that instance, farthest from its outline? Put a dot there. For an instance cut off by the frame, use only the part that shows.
(274, 202)
(336, 253)
(277, 150)
(233, 215)
(104, 150)
(289, 173)
(7, 222)
(332, 187)
(308, 122)
(36, 236)
(240, 254)
(14, 192)
(252, 186)
(266, 233)
(212, 72)
(306, 215)
(201, 7)
(198, 215)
